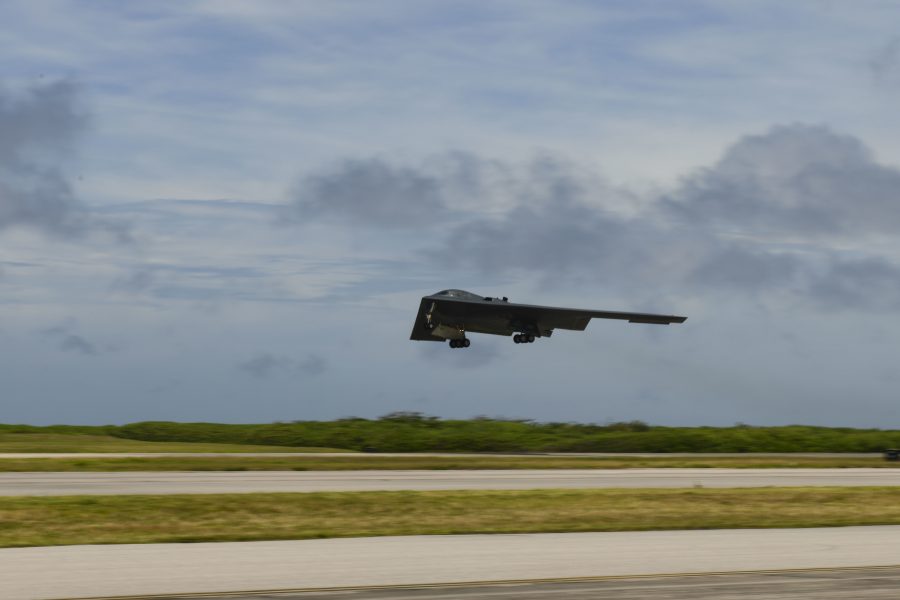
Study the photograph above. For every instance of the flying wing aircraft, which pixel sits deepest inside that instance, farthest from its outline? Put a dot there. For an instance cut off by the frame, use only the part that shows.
(449, 314)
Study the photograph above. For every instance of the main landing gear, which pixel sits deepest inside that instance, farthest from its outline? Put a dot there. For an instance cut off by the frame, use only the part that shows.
(463, 343)
(523, 338)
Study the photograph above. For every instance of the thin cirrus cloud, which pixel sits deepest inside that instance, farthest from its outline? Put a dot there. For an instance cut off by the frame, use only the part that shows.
(265, 365)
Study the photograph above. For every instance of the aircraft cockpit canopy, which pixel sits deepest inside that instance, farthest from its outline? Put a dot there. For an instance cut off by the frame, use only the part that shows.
(461, 294)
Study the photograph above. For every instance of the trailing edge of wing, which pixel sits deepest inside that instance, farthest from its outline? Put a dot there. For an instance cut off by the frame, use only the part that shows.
(656, 319)
(575, 319)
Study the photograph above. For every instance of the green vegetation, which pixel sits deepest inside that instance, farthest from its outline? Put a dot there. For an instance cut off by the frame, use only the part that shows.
(61, 429)
(81, 442)
(42, 521)
(413, 432)
(361, 462)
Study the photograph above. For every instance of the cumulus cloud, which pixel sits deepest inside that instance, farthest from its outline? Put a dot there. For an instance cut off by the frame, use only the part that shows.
(567, 224)
(379, 194)
(370, 192)
(801, 180)
(40, 128)
(265, 364)
(770, 216)
(568, 238)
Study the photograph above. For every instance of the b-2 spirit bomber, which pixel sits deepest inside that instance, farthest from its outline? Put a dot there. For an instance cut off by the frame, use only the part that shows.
(449, 314)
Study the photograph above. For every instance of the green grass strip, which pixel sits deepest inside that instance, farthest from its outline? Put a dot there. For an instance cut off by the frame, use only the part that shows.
(42, 521)
(67, 442)
(353, 462)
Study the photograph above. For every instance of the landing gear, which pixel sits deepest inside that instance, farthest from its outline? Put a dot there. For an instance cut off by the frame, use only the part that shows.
(523, 338)
(463, 343)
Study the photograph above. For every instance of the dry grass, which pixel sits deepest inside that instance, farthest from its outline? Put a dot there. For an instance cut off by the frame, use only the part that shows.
(40, 521)
(368, 462)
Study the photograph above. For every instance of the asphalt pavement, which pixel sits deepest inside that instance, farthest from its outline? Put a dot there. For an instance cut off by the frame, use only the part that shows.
(205, 482)
(827, 584)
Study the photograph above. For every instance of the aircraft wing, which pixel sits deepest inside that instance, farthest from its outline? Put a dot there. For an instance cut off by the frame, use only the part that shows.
(552, 317)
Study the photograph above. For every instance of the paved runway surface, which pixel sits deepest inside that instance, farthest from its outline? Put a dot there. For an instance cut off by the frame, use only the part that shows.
(845, 584)
(56, 484)
(83, 571)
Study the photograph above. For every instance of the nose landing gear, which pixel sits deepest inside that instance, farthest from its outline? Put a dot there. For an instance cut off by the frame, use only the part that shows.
(523, 338)
(462, 343)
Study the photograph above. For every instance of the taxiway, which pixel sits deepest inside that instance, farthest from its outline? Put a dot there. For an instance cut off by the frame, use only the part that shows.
(77, 483)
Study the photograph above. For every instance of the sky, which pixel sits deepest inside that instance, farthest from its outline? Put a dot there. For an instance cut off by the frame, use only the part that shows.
(224, 210)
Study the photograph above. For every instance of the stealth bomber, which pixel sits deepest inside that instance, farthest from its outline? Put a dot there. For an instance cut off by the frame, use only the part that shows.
(450, 314)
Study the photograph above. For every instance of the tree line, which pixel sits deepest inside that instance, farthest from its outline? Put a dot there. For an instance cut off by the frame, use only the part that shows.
(415, 432)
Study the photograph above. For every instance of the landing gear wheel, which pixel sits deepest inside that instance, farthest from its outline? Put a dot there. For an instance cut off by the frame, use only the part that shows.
(517, 339)
(466, 343)
(529, 338)
(453, 344)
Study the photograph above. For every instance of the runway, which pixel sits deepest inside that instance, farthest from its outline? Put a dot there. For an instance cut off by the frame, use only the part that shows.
(841, 584)
(77, 483)
(89, 571)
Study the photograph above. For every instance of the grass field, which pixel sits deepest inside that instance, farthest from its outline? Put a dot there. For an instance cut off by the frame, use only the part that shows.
(41, 521)
(66, 442)
(353, 462)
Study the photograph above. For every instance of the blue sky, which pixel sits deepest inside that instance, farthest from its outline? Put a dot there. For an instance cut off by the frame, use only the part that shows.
(228, 210)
